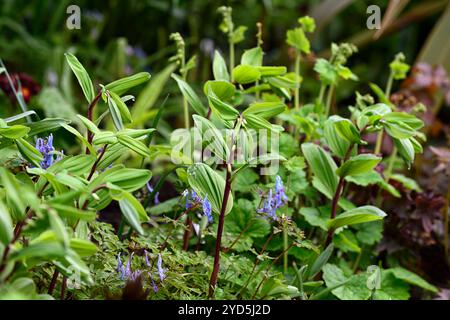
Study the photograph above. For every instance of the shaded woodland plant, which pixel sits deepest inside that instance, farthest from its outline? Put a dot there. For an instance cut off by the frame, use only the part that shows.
(312, 230)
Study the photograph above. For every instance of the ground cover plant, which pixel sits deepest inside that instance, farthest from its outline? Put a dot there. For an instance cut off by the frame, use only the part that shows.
(260, 185)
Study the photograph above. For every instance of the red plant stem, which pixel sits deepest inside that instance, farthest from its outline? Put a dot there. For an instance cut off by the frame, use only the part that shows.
(337, 195)
(53, 282)
(18, 229)
(63, 287)
(94, 166)
(90, 112)
(215, 272)
(334, 208)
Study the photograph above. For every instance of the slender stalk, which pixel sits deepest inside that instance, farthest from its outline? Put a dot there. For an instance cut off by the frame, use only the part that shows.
(94, 166)
(329, 98)
(391, 163)
(334, 203)
(321, 92)
(18, 96)
(18, 230)
(215, 272)
(240, 235)
(337, 195)
(255, 264)
(379, 141)
(358, 259)
(63, 287)
(285, 246)
(231, 56)
(185, 103)
(268, 268)
(387, 93)
(297, 81)
(53, 282)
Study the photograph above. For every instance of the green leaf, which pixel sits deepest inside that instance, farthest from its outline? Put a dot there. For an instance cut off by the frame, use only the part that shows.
(14, 132)
(115, 112)
(398, 130)
(297, 39)
(238, 34)
(29, 152)
(265, 110)
(76, 165)
(45, 250)
(408, 183)
(205, 181)
(79, 136)
(346, 241)
(89, 124)
(412, 278)
(359, 164)
(245, 74)
(269, 71)
(355, 216)
(346, 129)
(83, 248)
(337, 144)
(133, 144)
(315, 217)
(121, 86)
(220, 67)
(257, 122)
(190, 95)
(224, 110)
(83, 77)
(104, 137)
(132, 211)
(73, 213)
(369, 233)
(405, 149)
(58, 227)
(391, 288)
(365, 179)
(123, 109)
(223, 90)
(345, 288)
(321, 260)
(252, 57)
(213, 137)
(327, 72)
(402, 117)
(46, 125)
(323, 167)
(308, 24)
(6, 227)
(128, 179)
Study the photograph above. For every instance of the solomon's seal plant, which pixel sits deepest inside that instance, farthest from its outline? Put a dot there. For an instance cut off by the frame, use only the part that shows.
(261, 195)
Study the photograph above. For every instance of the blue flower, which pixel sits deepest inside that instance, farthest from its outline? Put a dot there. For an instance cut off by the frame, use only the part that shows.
(280, 196)
(207, 209)
(155, 288)
(45, 147)
(120, 267)
(150, 190)
(274, 200)
(161, 273)
(192, 199)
